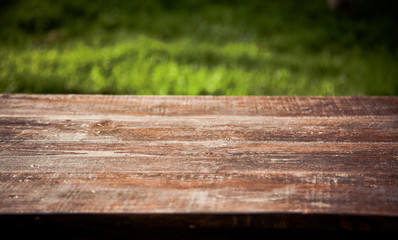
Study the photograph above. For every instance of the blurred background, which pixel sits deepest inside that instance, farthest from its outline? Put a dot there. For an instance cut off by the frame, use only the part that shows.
(199, 47)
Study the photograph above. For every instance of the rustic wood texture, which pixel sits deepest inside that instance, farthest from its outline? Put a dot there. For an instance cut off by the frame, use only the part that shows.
(202, 154)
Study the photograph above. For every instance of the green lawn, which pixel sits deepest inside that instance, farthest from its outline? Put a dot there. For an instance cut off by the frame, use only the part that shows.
(196, 47)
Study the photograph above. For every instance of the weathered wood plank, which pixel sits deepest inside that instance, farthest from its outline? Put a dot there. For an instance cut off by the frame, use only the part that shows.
(208, 155)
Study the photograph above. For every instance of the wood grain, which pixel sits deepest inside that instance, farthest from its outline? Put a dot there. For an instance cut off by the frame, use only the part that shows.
(83, 154)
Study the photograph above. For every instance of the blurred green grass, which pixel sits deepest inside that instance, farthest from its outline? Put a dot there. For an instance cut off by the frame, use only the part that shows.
(198, 47)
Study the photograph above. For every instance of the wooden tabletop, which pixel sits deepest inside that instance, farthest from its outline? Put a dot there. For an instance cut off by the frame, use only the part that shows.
(234, 160)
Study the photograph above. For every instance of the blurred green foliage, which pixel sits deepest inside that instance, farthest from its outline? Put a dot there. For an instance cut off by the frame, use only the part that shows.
(191, 47)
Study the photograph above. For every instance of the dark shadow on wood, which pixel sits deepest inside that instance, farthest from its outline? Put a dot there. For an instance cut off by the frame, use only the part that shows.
(196, 226)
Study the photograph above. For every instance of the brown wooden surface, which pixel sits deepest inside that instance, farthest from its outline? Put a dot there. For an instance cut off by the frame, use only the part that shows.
(198, 155)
